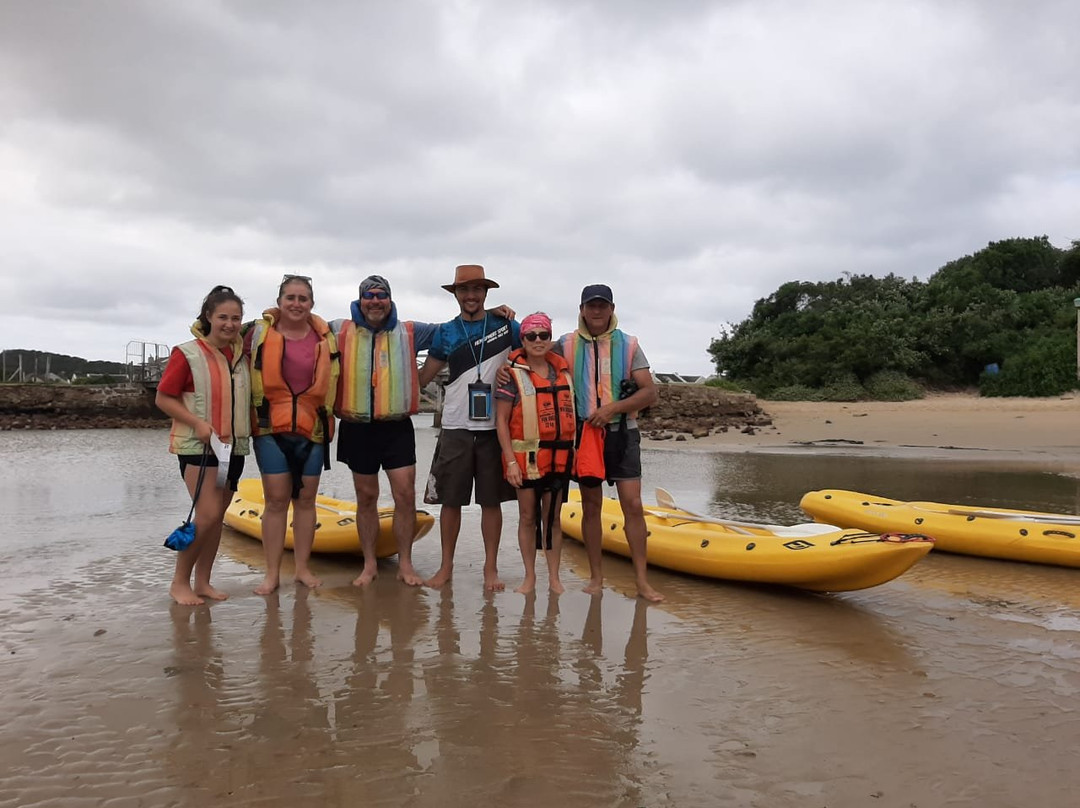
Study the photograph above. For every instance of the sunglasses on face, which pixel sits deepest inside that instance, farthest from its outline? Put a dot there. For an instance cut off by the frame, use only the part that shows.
(533, 336)
(375, 295)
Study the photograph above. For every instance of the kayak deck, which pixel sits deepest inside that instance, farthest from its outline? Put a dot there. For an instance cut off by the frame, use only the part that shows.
(1013, 535)
(335, 527)
(823, 560)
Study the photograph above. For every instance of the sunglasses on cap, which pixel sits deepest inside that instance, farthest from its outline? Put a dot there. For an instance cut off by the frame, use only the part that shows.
(533, 336)
(370, 295)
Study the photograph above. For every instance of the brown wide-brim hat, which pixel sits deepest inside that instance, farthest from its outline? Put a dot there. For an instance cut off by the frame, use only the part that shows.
(469, 273)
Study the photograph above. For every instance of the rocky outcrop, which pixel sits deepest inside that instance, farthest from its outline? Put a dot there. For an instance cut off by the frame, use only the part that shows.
(65, 406)
(696, 410)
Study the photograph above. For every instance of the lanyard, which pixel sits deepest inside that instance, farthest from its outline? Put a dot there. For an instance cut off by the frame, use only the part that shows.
(472, 349)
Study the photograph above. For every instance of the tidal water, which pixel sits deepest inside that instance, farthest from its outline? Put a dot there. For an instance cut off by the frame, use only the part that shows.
(955, 684)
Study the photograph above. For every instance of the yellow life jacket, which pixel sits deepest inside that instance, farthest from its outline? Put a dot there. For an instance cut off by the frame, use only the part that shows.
(222, 396)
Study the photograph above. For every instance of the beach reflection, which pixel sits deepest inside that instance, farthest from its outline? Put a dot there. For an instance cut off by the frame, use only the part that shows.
(935, 687)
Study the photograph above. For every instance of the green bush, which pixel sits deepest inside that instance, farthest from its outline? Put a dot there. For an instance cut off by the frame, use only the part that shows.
(891, 385)
(795, 392)
(725, 384)
(1043, 367)
(844, 387)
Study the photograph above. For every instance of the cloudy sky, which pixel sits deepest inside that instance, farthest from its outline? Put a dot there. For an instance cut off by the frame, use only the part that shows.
(694, 155)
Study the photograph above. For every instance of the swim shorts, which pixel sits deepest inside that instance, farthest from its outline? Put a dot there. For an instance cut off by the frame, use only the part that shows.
(463, 456)
(367, 446)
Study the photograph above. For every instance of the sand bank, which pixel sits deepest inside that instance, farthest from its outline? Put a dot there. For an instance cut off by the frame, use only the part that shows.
(1024, 429)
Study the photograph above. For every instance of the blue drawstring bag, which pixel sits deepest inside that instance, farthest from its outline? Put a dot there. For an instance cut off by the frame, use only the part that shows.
(183, 536)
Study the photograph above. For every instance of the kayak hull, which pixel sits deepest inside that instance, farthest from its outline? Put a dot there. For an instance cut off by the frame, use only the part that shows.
(1013, 535)
(335, 528)
(833, 561)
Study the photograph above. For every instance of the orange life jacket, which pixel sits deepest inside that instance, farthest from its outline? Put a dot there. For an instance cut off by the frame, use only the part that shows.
(543, 421)
(277, 409)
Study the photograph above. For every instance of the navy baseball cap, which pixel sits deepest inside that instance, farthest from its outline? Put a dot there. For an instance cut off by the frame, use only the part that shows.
(597, 291)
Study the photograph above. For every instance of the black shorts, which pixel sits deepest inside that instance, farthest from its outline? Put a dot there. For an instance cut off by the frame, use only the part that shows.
(622, 455)
(367, 446)
(462, 456)
(236, 465)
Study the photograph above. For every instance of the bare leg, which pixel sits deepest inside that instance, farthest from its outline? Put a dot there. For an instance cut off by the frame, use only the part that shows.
(449, 527)
(275, 519)
(403, 487)
(592, 501)
(491, 529)
(303, 528)
(367, 524)
(636, 535)
(526, 498)
(213, 509)
(554, 555)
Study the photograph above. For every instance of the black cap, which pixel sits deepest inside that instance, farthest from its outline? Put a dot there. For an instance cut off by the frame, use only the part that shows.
(597, 291)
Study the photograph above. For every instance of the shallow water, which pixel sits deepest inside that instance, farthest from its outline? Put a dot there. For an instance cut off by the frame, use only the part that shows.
(952, 685)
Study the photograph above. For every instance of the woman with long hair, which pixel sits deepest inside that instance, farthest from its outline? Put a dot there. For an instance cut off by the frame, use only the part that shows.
(205, 389)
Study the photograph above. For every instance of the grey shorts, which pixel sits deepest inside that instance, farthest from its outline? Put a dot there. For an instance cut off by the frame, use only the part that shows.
(463, 456)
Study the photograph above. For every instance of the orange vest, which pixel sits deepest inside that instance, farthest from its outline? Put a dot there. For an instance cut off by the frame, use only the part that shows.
(542, 423)
(277, 408)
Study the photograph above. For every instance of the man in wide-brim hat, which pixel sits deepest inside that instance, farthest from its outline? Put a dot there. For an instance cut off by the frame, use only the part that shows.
(469, 273)
(474, 345)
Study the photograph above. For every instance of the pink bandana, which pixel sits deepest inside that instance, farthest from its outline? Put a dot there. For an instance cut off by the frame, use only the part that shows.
(537, 321)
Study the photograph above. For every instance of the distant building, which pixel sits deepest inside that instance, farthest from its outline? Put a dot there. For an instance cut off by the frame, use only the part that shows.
(679, 378)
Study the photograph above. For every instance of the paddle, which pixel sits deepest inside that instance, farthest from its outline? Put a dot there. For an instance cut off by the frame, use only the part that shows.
(1052, 518)
(665, 500)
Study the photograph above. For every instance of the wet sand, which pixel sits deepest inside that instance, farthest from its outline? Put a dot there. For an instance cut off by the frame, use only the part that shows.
(953, 685)
(1023, 431)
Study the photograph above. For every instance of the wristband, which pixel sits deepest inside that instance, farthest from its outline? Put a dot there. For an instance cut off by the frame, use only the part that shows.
(511, 462)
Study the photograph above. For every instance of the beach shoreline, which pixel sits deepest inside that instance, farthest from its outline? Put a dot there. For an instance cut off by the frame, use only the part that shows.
(1020, 431)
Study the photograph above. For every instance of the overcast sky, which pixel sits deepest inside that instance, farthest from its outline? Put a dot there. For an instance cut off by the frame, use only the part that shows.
(693, 155)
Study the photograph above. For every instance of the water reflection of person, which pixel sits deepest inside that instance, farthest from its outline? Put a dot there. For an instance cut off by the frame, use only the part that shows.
(198, 671)
(380, 685)
(205, 390)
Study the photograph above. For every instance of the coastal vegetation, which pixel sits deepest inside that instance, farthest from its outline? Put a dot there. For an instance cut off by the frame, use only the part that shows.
(1002, 320)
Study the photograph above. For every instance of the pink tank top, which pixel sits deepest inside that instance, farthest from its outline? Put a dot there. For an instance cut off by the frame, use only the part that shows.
(298, 362)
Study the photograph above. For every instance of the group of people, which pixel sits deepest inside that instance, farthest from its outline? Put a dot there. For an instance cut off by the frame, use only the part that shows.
(519, 410)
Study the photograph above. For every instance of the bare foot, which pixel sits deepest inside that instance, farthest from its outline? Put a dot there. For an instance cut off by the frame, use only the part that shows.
(528, 586)
(594, 587)
(492, 583)
(208, 591)
(440, 578)
(407, 575)
(184, 595)
(308, 580)
(268, 586)
(555, 585)
(650, 594)
(365, 577)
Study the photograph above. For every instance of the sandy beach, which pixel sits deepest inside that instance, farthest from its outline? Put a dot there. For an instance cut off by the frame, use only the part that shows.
(1022, 430)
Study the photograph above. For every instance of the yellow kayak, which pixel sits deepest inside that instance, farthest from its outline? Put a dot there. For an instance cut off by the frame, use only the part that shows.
(335, 528)
(817, 557)
(1042, 538)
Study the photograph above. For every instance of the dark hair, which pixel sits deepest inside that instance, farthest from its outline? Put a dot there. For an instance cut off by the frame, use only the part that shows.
(287, 279)
(217, 296)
